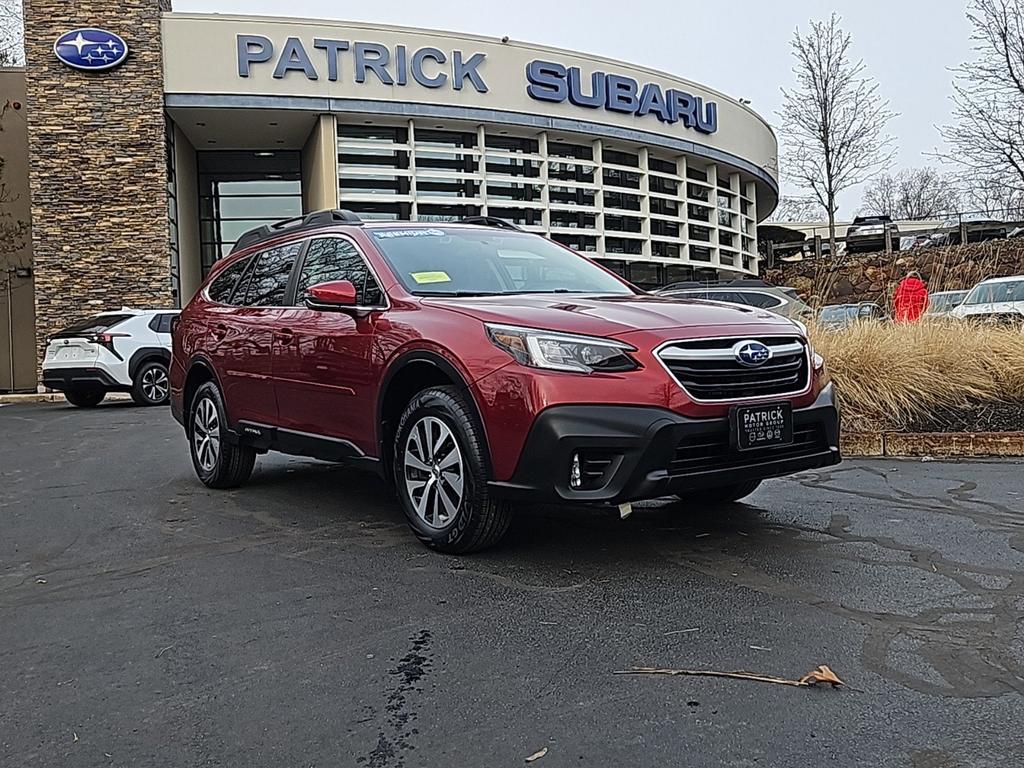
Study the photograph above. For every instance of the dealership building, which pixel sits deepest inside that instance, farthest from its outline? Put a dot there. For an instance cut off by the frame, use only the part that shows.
(150, 140)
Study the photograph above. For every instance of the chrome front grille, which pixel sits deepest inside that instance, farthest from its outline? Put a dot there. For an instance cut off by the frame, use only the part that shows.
(708, 370)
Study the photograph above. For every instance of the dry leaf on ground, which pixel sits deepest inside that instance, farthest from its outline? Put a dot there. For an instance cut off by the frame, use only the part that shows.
(537, 755)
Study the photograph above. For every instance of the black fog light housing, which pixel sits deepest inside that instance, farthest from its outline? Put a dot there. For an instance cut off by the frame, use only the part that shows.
(592, 468)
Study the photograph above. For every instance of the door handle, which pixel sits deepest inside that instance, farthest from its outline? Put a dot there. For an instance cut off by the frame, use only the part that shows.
(284, 335)
(220, 331)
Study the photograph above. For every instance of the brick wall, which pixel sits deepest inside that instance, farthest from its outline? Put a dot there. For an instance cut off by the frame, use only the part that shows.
(873, 276)
(97, 164)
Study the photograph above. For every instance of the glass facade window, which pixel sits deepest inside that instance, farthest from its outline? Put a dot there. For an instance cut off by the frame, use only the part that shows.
(583, 243)
(621, 201)
(678, 273)
(613, 177)
(631, 204)
(662, 166)
(665, 250)
(624, 245)
(664, 228)
(239, 191)
(663, 186)
(645, 274)
(574, 151)
(615, 157)
(622, 223)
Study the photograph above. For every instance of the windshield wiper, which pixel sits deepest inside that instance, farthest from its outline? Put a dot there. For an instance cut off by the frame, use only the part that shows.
(428, 294)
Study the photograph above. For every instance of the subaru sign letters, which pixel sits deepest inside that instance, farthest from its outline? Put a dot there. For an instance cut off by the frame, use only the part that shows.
(549, 81)
(90, 48)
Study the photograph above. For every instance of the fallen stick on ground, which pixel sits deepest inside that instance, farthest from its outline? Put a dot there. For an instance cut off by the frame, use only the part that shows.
(820, 674)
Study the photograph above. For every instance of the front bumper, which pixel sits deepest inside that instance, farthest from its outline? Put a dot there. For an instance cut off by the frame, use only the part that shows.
(633, 453)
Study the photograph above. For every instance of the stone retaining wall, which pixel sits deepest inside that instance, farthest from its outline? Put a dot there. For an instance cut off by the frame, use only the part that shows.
(873, 276)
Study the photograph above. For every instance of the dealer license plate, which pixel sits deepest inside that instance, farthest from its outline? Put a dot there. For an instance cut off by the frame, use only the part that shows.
(762, 426)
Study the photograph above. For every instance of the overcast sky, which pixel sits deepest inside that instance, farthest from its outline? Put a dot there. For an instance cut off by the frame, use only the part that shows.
(740, 47)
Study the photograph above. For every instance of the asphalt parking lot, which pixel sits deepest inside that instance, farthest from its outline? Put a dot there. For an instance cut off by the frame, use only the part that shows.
(146, 620)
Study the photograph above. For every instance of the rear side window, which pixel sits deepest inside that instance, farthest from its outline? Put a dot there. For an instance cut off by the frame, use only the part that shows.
(90, 325)
(222, 286)
(161, 323)
(332, 258)
(762, 300)
(269, 278)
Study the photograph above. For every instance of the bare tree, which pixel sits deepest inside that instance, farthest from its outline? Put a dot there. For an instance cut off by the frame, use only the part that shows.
(798, 209)
(12, 33)
(995, 197)
(913, 193)
(833, 121)
(986, 137)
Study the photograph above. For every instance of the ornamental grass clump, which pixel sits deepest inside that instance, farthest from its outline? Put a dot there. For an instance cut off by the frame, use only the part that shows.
(889, 376)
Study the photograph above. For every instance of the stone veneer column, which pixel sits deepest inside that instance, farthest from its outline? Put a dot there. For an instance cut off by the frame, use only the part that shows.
(97, 165)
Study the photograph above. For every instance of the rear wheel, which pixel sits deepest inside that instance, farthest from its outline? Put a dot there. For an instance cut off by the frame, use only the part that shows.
(722, 494)
(440, 471)
(218, 462)
(151, 386)
(85, 398)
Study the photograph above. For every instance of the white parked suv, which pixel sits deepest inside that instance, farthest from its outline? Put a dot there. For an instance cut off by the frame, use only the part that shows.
(998, 299)
(127, 350)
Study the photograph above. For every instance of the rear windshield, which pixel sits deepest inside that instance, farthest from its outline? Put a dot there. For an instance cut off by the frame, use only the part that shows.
(449, 261)
(839, 312)
(91, 325)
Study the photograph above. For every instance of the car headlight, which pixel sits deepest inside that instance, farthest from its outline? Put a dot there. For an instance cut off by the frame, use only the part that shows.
(563, 351)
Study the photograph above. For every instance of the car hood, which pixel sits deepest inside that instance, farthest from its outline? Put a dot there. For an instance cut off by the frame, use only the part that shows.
(605, 316)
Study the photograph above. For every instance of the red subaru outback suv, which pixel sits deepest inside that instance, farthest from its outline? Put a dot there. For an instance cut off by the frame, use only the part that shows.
(474, 365)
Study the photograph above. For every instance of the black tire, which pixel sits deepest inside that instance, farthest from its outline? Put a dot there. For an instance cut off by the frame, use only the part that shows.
(85, 398)
(151, 385)
(218, 462)
(723, 494)
(478, 520)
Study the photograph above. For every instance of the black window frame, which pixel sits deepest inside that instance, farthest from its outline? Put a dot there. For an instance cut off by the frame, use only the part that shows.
(245, 281)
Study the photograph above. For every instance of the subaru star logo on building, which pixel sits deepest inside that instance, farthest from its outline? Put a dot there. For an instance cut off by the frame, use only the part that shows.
(752, 353)
(90, 48)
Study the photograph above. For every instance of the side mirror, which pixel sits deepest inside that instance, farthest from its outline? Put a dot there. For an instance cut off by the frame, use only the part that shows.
(336, 295)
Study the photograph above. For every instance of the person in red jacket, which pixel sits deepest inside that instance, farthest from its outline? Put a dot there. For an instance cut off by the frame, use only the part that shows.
(911, 299)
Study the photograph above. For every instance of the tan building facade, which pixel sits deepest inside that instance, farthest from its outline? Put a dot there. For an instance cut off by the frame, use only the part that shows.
(145, 171)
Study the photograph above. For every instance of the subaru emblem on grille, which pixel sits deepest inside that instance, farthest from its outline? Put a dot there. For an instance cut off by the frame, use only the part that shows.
(752, 353)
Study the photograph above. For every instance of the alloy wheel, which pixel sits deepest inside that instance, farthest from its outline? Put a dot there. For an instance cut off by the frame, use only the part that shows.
(434, 473)
(154, 384)
(206, 434)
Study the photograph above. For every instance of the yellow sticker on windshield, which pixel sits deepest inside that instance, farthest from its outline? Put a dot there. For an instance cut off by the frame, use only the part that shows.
(431, 277)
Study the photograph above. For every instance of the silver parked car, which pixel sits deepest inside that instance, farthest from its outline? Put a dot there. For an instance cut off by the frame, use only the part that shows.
(749, 293)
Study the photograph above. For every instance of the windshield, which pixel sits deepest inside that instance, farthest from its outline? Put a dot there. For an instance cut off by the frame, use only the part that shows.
(990, 293)
(943, 301)
(456, 261)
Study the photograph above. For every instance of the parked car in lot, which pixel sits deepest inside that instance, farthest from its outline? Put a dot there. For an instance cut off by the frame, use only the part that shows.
(752, 293)
(997, 300)
(942, 303)
(867, 233)
(128, 350)
(979, 229)
(474, 365)
(837, 316)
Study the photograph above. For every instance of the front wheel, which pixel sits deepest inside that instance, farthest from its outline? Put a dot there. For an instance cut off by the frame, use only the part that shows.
(85, 398)
(218, 462)
(440, 471)
(722, 494)
(151, 386)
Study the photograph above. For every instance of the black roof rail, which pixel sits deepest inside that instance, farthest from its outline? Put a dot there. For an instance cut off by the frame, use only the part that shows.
(295, 224)
(490, 221)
